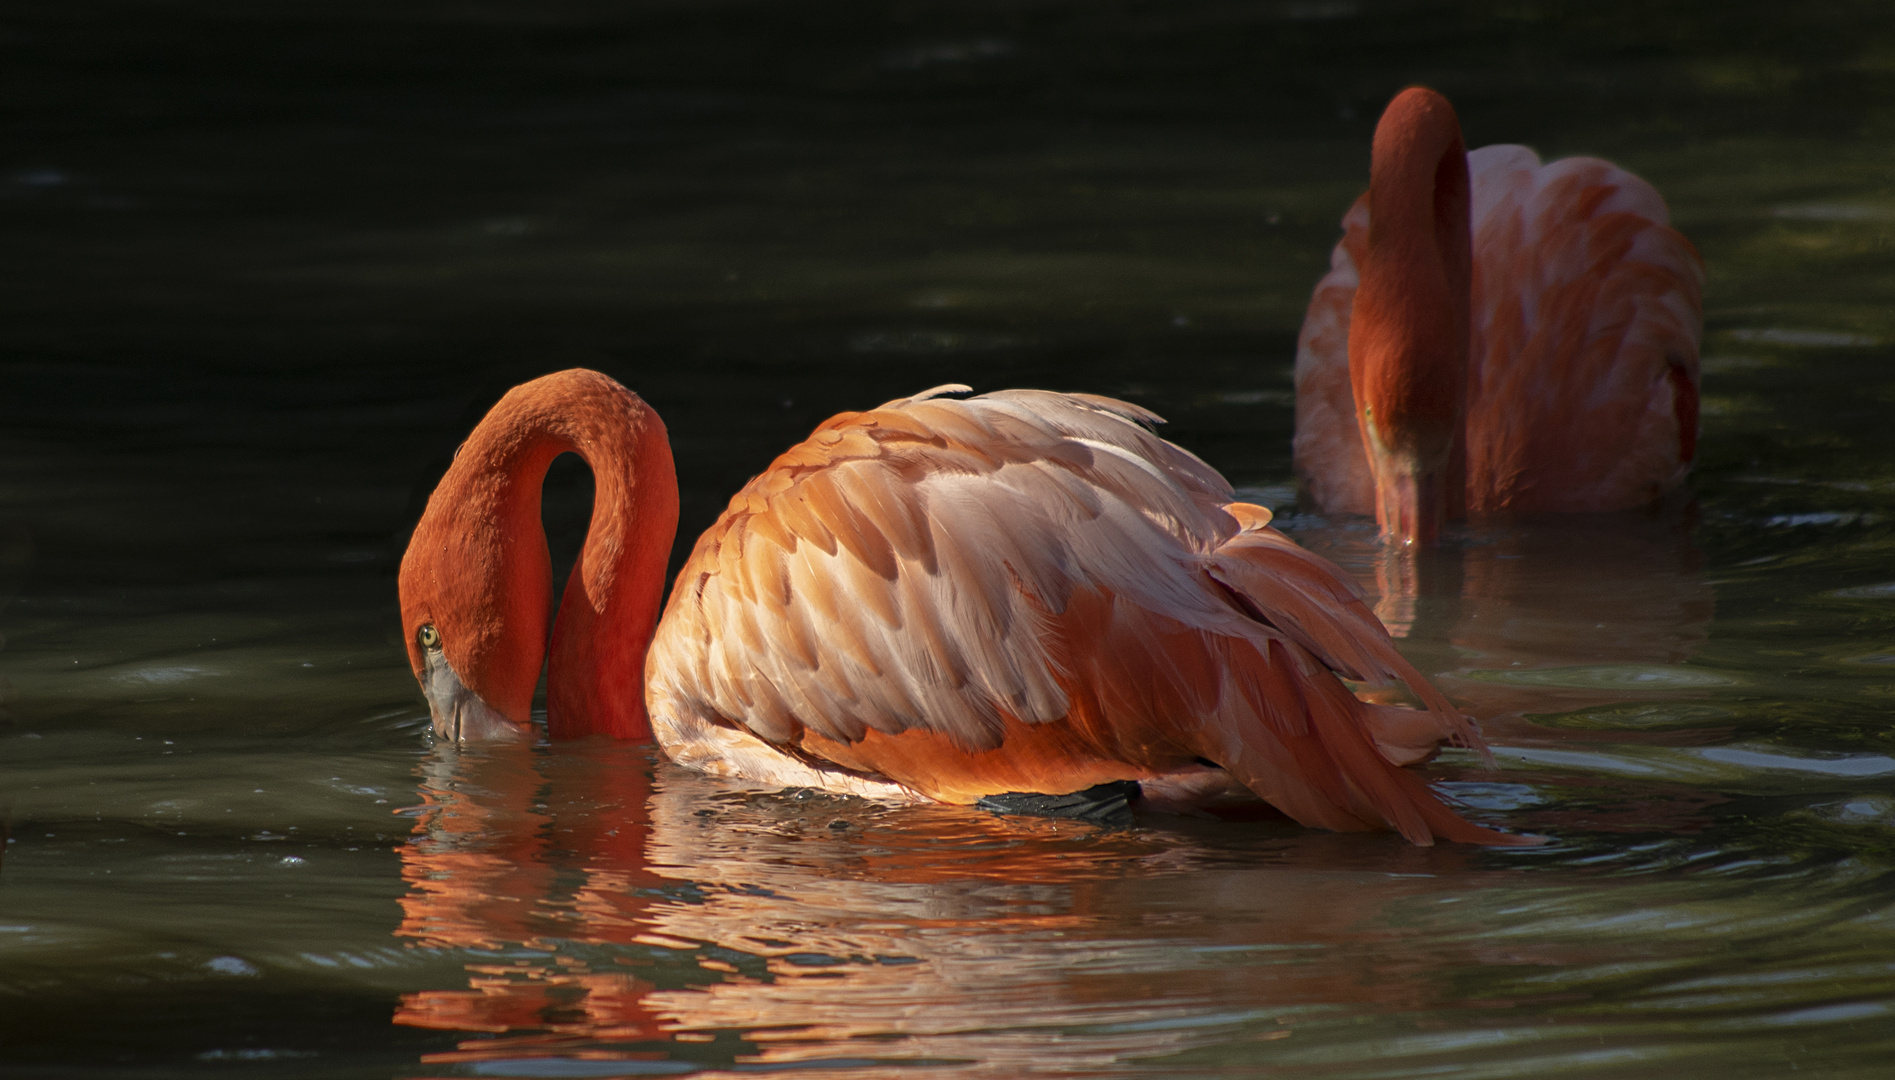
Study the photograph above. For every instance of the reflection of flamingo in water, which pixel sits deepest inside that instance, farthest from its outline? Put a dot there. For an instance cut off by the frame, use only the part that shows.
(490, 871)
(1521, 619)
(1020, 592)
(913, 932)
(1545, 615)
(1543, 358)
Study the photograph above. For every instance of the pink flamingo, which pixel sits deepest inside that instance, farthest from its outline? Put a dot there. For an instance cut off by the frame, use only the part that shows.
(937, 599)
(1496, 335)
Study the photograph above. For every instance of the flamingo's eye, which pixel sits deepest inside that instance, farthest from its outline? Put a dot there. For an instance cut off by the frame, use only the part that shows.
(429, 637)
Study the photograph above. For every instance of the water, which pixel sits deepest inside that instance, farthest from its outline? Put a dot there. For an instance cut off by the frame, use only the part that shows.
(266, 265)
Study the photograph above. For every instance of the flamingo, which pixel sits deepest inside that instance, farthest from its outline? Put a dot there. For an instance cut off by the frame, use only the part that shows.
(937, 599)
(1500, 335)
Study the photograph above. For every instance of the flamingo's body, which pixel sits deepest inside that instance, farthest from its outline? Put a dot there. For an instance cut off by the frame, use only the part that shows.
(938, 599)
(1581, 313)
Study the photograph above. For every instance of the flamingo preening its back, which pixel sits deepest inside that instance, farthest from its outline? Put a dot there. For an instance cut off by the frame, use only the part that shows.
(1495, 334)
(936, 599)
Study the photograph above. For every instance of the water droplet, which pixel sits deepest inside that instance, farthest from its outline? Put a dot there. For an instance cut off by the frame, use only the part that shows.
(231, 965)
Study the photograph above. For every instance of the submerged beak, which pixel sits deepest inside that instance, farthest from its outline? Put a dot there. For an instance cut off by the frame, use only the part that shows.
(1410, 496)
(459, 714)
(1408, 506)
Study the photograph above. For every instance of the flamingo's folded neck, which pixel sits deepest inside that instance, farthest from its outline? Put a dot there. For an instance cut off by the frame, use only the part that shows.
(595, 681)
(1409, 332)
(478, 569)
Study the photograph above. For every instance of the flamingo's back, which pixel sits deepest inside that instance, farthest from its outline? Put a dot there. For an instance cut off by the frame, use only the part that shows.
(1586, 319)
(1328, 444)
(1583, 394)
(1029, 591)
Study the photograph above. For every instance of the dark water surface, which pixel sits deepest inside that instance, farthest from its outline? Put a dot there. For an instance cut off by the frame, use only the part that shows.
(265, 263)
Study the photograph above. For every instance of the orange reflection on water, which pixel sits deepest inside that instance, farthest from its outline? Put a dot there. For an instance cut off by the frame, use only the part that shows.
(495, 866)
(627, 917)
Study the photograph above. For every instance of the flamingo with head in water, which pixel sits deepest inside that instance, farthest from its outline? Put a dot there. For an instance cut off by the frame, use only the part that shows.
(937, 599)
(1495, 334)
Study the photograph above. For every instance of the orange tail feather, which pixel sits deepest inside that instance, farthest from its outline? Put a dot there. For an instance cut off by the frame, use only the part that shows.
(1306, 743)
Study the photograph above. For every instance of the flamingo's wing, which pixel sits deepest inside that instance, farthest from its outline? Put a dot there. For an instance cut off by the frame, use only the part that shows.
(894, 571)
(1328, 445)
(1587, 315)
(1027, 592)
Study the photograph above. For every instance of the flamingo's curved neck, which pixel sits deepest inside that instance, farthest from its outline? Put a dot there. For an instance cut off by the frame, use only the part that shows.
(490, 511)
(1409, 332)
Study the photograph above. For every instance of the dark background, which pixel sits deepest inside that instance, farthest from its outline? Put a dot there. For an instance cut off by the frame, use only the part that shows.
(266, 263)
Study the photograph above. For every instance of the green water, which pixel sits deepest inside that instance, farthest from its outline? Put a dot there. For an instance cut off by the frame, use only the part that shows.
(267, 263)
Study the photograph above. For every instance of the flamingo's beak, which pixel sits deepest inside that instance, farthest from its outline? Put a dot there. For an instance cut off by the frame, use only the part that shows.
(459, 713)
(1409, 495)
(1408, 505)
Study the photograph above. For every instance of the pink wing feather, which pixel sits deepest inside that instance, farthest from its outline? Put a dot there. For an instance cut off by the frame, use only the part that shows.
(1587, 316)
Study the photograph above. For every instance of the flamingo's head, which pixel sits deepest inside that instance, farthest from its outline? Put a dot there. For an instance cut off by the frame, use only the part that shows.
(476, 588)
